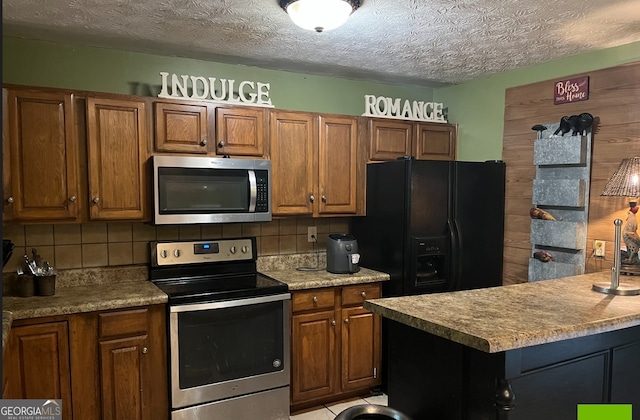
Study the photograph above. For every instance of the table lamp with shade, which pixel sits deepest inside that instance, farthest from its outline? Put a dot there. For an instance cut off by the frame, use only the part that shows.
(625, 182)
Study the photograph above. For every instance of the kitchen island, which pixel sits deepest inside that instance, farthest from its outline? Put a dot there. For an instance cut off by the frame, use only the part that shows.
(518, 352)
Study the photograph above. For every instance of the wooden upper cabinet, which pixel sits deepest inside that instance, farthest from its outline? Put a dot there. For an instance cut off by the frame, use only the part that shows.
(182, 128)
(292, 164)
(43, 156)
(241, 131)
(390, 139)
(7, 196)
(338, 158)
(117, 148)
(314, 164)
(435, 141)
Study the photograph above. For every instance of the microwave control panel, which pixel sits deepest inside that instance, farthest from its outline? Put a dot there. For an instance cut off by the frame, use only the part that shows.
(262, 187)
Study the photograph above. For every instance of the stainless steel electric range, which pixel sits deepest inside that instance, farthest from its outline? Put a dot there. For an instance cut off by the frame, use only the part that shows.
(228, 331)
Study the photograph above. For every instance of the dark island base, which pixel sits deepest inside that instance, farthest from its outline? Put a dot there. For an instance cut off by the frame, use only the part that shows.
(433, 378)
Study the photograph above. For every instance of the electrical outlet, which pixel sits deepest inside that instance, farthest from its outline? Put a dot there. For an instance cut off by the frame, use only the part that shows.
(598, 248)
(312, 234)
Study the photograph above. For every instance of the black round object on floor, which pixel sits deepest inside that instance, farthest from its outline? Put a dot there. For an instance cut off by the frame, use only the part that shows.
(371, 412)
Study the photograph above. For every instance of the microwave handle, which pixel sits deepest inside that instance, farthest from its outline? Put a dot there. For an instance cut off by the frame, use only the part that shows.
(253, 191)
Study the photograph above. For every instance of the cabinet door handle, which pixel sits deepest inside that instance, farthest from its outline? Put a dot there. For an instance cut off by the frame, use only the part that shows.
(221, 144)
(145, 350)
(10, 200)
(96, 200)
(333, 323)
(73, 198)
(324, 198)
(315, 299)
(312, 198)
(203, 142)
(346, 321)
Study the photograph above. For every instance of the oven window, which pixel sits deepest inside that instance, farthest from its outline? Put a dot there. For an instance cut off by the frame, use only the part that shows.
(223, 344)
(194, 191)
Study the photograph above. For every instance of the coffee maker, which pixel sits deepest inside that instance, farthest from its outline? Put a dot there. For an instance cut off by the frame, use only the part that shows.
(342, 254)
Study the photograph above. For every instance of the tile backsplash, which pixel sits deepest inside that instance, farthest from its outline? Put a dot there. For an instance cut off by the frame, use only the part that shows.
(101, 244)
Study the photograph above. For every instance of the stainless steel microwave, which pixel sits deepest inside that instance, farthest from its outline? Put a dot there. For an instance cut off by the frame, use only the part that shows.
(195, 189)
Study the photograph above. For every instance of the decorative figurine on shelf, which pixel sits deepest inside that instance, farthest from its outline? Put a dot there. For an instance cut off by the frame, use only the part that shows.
(542, 256)
(537, 213)
(630, 235)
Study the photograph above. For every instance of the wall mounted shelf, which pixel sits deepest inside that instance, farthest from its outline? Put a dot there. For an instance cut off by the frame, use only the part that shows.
(561, 187)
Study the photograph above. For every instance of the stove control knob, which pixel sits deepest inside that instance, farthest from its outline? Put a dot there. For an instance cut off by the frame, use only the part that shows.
(277, 363)
(232, 250)
(177, 253)
(245, 249)
(164, 253)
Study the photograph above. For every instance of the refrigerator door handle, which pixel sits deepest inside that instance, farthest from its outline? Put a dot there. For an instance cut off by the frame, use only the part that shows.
(455, 257)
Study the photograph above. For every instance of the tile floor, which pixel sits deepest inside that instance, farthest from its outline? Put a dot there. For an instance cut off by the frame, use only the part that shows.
(330, 411)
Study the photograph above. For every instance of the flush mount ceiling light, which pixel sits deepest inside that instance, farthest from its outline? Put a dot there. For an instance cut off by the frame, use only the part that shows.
(319, 15)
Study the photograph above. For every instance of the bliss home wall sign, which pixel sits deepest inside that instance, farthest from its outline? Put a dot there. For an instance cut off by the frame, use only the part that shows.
(572, 90)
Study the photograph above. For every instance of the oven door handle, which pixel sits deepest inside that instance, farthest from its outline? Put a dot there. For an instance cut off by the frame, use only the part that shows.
(253, 191)
(229, 303)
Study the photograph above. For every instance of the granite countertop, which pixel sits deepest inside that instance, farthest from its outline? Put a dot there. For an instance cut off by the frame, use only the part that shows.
(85, 298)
(301, 280)
(521, 315)
(85, 290)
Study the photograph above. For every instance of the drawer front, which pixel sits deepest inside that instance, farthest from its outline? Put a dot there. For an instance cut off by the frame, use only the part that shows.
(357, 294)
(313, 299)
(121, 323)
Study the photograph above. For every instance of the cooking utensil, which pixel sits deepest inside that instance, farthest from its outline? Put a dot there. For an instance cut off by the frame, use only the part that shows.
(574, 123)
(586, 121)
(539, 128)
(564, 126)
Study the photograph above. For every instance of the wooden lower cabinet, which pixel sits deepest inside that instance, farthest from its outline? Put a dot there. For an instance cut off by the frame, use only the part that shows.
(314, 361)
(103, 365)
(335, 344)
(36, 364)
(360, 348)
(122, 378)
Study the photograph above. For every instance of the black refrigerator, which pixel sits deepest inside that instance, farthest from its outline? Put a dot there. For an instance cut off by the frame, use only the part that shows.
(434, 226)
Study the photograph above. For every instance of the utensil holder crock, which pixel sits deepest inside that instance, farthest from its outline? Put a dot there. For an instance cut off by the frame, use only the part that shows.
(46, 285)
(25, 285)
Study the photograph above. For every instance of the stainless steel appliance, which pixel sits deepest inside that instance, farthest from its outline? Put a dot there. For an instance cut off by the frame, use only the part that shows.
(342, 254)
(433, 225)
(196, 189)
(228, 331)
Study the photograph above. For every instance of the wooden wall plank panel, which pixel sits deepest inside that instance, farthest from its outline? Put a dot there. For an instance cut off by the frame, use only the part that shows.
(614, 100)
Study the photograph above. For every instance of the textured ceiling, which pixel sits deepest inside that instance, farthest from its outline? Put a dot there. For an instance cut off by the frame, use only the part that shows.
(425, 42)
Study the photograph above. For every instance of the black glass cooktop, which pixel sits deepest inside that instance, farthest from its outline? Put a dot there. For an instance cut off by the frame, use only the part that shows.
(204, 289)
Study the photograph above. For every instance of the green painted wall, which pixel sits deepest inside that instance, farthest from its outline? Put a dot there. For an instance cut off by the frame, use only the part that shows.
(478, 106)
(38, 63)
